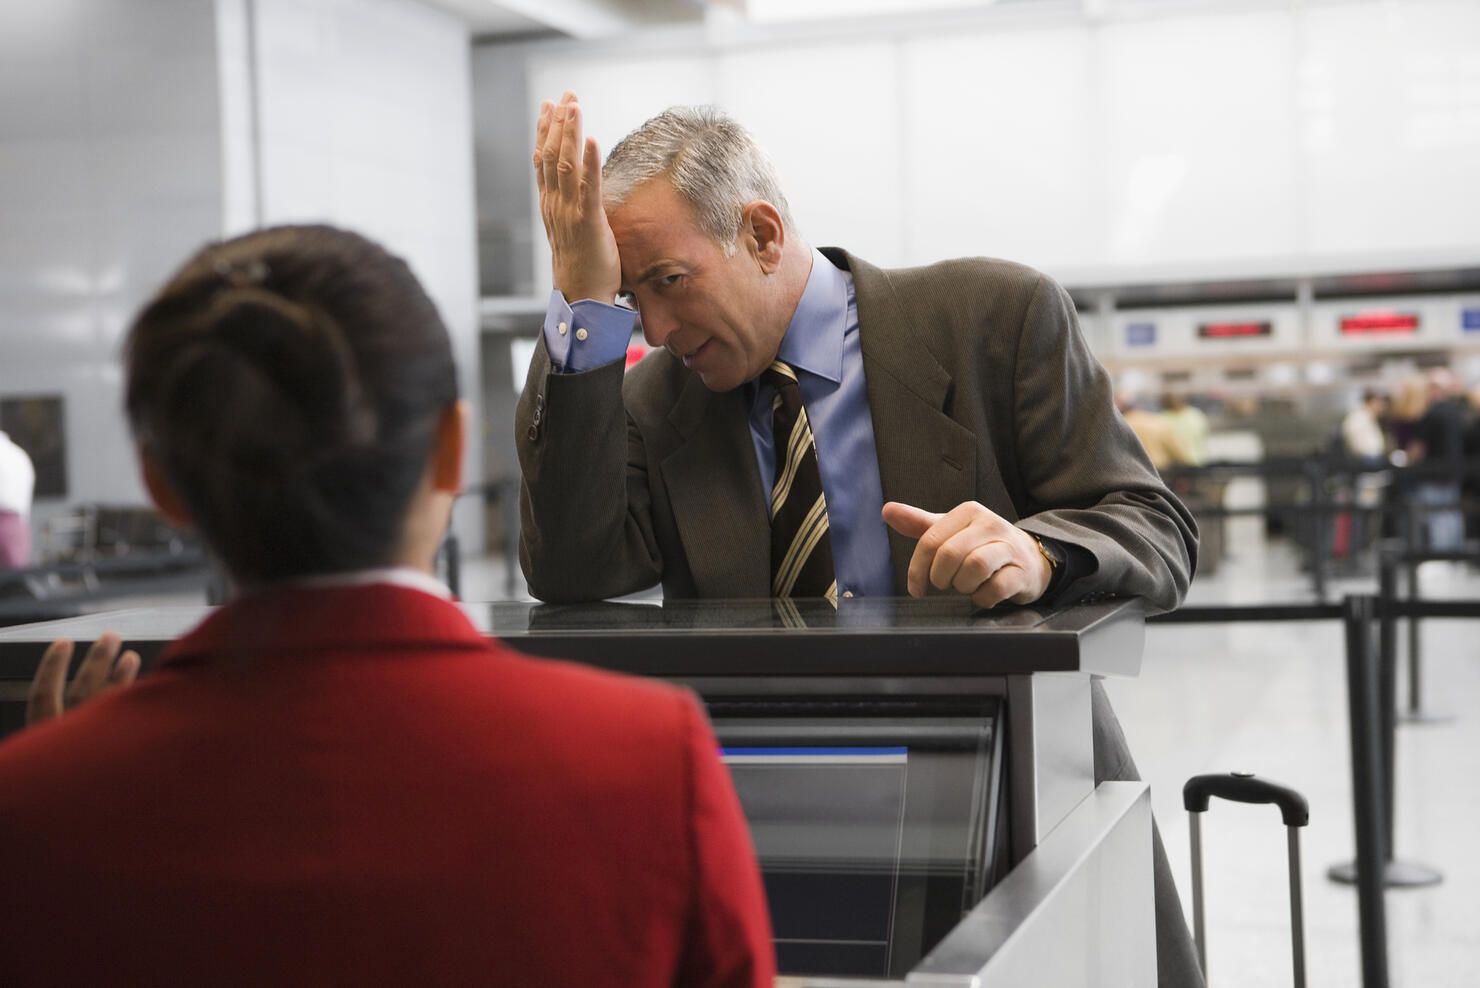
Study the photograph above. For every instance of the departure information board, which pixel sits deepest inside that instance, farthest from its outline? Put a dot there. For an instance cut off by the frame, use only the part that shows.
(1234, 330)
(1379, 321)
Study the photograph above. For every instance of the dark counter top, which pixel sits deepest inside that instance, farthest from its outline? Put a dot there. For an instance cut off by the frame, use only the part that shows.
(878, 636)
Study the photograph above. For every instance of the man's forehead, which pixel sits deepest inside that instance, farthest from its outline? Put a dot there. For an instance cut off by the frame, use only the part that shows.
(656, 201)
(655, 225)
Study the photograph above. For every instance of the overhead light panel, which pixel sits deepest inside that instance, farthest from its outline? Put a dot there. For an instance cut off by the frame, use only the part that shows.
(774, 11)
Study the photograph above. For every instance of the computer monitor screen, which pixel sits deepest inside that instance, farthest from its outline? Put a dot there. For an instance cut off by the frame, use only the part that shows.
(876, 829)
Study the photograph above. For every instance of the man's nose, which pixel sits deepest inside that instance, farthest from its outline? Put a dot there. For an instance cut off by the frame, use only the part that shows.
(657, 325)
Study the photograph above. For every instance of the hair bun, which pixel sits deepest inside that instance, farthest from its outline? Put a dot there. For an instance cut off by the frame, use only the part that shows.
(302, 353)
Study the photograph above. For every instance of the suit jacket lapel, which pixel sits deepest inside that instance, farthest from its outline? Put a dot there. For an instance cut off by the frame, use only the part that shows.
(715, 489)
(926, 458)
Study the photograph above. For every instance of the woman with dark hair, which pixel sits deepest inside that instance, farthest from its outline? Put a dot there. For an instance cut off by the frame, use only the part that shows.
(335, 779)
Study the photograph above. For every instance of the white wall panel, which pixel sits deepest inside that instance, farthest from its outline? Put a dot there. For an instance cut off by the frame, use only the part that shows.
(43, 174)
(1391, 100)
(830, 116)
(297, 182)
(167, 167)
(108, 178)
(136, 93)
(1199, 131)
(146, 29)
(617, 90)
(1001, 156)
(365, 122)
(237, 97)
(55, 106)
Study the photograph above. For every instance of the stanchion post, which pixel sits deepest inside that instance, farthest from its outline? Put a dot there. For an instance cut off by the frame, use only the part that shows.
(1320, 538)
(1387, 595)
(1387, 676)
(1413, 630)
(1367, 799)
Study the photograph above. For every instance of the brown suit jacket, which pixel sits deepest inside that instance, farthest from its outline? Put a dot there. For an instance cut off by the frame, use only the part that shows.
(980, 386)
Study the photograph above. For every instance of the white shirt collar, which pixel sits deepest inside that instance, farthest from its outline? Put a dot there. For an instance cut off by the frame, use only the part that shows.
(400, 576)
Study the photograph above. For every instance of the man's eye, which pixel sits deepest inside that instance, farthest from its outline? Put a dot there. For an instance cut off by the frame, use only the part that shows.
(669, 280)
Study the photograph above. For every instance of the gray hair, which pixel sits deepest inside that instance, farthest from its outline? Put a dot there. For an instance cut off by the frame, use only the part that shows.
(712, 161)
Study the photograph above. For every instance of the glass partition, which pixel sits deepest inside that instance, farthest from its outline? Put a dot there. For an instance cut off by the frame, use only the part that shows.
(878, 824)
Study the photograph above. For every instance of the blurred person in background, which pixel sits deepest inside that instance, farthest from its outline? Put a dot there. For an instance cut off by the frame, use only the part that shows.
(1436, 446)
(1188, 423)
(336, 778)
(1410, 401)
(1470, 486)
(1362, 436)
(1162, 443)
(1363, 440)
(17, 484)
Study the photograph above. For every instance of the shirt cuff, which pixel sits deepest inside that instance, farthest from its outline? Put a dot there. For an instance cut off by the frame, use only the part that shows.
(586, 335)
(1077, 562)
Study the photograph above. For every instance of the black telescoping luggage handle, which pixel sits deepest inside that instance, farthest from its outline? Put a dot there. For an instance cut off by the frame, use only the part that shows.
(1244, 787)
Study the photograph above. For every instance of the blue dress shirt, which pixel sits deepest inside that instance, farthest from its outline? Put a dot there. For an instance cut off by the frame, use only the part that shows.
(822, 344)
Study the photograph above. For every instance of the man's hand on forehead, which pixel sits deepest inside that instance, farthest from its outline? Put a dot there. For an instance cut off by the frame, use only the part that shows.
(567, 170)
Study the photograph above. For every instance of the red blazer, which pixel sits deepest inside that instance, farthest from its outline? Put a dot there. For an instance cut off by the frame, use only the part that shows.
(352, 786)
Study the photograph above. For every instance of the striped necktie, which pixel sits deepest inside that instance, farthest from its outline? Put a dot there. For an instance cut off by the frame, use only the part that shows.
(801, 550)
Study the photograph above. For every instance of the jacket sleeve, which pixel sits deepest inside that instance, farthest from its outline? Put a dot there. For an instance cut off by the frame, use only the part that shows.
(585, 527)
(1089, 482)
(728, 942)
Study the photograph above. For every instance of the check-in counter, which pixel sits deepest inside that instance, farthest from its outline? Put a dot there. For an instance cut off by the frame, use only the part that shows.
(918, 774)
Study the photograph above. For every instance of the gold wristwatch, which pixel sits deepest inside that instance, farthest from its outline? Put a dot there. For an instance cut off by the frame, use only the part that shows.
(1051, 555)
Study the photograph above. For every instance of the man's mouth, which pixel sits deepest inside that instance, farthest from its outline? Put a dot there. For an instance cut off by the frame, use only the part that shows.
(688, 358)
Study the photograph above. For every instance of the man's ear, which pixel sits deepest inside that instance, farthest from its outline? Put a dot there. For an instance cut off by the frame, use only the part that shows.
(763, 233)
(161, 491)
(449, 448)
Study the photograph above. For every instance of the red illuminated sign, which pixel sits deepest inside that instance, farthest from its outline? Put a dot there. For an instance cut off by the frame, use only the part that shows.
(1227, 330)
(1380, 321)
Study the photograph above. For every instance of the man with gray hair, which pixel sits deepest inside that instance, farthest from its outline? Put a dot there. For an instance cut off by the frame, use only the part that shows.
(811, 425)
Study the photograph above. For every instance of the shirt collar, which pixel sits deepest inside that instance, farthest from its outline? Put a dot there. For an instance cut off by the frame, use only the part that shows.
(814, 338)
(397, 576)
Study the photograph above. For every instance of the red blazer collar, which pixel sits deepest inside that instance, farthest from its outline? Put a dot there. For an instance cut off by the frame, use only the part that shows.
(378, 616)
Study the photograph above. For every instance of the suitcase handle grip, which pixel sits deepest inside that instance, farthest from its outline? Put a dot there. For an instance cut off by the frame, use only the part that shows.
(1244, 787)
